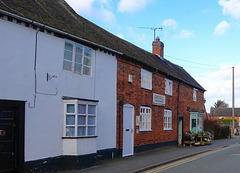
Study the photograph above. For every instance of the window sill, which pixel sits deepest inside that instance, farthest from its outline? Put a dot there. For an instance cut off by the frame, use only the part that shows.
(146, 88)
(78, 137)
(168, 94)
(167, 129)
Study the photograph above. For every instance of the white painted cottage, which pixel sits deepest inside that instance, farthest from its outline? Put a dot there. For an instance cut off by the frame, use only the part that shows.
(57, 98)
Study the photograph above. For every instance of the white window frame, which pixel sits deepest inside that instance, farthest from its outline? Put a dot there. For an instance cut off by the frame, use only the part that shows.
(145, 118)
(85, 57)
(168, 86)
(167, 120)
(198, 119)
(146, 79)
(195, 94)
(77, 115)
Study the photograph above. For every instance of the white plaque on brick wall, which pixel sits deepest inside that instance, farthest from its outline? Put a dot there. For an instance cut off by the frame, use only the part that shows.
(158, 99)
(137, 120)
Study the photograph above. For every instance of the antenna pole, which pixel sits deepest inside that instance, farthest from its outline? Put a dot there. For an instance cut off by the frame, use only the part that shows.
(154, 30)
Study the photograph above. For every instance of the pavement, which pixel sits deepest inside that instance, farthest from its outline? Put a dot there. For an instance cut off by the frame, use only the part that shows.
(153, 158)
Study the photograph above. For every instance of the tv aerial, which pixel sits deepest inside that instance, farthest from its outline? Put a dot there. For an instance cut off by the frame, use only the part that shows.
(152, 28)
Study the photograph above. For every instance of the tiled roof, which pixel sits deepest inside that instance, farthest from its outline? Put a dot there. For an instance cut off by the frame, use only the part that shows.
(59, 15)
(224, 112)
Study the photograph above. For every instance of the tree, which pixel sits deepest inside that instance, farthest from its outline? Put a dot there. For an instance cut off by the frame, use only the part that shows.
(221, 104)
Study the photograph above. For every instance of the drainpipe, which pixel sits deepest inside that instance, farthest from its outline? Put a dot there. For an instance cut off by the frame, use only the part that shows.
(178, 97)
(119, 126)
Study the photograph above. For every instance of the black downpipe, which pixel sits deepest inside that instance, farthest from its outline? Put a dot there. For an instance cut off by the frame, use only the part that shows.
(119, 127)
(179, 84)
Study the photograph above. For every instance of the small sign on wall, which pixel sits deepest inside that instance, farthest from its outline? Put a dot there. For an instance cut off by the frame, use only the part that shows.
(137, 120)
(158, 99)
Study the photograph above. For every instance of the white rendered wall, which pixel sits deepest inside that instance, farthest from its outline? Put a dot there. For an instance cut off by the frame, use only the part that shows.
(106, 93)
(44, 122)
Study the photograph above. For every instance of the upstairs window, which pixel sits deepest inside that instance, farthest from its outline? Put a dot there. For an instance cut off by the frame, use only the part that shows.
(168, 87)
(77, 58)
(146, 79)
(167, 119)
(80, 119)
(194, 94)
(145, 118)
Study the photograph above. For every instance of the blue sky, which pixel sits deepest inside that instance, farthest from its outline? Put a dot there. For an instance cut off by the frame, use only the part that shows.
(202, 36)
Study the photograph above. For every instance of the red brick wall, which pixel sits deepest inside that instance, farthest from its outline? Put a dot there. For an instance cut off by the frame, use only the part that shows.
(132, 93)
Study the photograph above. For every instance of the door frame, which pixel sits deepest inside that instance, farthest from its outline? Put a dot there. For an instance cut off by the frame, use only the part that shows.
(19, 107)
(180, 118)
(132, 129)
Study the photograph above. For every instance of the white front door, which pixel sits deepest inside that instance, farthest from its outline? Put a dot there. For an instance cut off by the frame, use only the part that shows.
(128, 130)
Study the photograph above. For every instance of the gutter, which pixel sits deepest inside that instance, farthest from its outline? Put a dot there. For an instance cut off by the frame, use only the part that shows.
(64, 34)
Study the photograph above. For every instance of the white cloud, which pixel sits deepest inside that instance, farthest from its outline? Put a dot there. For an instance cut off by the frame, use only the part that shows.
(83, 6)
(106, 15)
(134, 37)
(170, 23)
(184, 34)
(131, 5)
(86, 8)
(221, 28)
(120, 35)
(219, 86)
(230, 7)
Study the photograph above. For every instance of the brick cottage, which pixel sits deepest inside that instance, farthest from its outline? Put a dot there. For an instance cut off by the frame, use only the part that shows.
(156, 103)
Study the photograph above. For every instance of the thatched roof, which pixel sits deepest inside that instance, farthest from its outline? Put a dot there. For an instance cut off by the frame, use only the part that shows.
(224, 112)
(59, 15)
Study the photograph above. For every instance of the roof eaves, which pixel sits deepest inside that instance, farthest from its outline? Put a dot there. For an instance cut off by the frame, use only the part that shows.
(59, 32)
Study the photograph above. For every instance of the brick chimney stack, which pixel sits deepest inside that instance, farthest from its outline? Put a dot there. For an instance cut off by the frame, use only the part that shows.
(157, 47)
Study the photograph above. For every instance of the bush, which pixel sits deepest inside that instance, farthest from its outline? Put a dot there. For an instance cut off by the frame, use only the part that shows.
(227, 121)
(219, 131)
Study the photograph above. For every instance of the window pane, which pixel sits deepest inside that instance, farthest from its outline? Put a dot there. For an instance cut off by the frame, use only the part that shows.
(68, 45)
(165, 119)
(81, 120)
(70, 131)
(70, 119)
(86, 70)
(81, 109)
(81, 131)
(79, 49)
(78, 68)
(87, 61)
(68, 55)
(91, 131)
(70, 108)
(148, 125)
(91, 109)
(148, 119)
(87, 51)
(78, 58)
(67, 65)
(91, 120)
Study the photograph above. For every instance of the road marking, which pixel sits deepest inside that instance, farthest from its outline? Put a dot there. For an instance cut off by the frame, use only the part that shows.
(183, 161)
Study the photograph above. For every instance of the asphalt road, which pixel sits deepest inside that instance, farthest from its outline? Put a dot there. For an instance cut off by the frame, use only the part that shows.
(224, 160)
